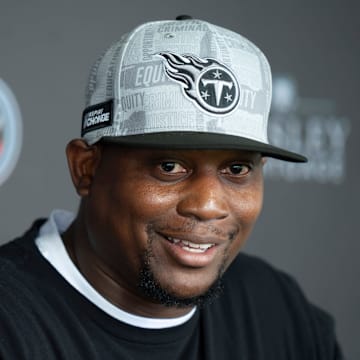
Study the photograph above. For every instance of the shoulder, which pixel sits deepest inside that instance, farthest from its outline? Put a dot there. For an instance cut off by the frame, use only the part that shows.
(19, 268)
(21, 296)
(259, 276)
(273, 303)
(17, 253)
(271, 290)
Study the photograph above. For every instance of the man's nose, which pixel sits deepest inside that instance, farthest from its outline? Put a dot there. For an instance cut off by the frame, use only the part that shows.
(204, 198)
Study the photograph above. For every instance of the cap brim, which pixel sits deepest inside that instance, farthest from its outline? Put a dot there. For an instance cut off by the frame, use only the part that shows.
(198, 140)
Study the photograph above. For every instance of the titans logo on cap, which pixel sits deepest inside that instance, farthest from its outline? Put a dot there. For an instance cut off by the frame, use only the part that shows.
(207, 82)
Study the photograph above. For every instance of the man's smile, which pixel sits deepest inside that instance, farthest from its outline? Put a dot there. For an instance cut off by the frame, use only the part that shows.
(191, 246)
(191, 250)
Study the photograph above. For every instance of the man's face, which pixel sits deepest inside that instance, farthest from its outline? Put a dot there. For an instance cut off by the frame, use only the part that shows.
(182, 214)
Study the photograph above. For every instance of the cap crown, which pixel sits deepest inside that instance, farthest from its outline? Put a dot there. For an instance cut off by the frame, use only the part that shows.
(186, 76)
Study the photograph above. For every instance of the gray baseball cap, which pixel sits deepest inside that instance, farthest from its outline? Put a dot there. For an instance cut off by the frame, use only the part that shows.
(184, 84)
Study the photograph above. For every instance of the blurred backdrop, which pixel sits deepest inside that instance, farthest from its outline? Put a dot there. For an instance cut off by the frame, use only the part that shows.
(310, 221)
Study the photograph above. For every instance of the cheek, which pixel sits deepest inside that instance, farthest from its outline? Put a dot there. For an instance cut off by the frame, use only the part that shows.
(123, 211)
(247, 208)
(247, 201)
(144, 202)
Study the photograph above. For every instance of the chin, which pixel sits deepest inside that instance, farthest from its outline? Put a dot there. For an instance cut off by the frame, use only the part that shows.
(181, 290)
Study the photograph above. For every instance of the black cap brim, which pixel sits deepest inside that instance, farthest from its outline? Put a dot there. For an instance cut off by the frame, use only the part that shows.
(199, 140)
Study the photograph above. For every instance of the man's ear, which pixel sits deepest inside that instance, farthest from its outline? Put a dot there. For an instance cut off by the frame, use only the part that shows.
(83, 160)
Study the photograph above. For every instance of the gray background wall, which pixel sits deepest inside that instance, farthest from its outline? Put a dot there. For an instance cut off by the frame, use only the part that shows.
(309, 225)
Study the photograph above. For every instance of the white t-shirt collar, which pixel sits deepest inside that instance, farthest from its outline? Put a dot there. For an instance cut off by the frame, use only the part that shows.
(51, 246)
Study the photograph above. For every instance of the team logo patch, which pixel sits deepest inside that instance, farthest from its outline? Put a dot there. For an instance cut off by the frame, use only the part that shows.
(207, 82)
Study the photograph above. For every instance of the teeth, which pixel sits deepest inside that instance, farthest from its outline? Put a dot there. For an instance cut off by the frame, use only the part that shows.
(193, 250)
(190, 246)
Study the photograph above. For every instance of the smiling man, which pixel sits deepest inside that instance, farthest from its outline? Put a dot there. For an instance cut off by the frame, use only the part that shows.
(169, 168)
(171, 220)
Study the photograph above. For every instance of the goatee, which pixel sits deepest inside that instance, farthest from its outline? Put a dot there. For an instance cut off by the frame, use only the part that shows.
(153, 290)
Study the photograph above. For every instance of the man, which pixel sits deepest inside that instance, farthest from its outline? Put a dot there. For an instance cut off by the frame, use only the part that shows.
(169, 171)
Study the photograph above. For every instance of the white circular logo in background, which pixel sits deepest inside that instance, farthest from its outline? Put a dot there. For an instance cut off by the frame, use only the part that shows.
(10, 132)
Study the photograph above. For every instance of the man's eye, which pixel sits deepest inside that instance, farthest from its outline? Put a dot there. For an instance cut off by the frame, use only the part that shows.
(171, 167)
(237, 169)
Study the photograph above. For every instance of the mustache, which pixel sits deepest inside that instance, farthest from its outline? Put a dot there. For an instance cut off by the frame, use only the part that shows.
(193, 226)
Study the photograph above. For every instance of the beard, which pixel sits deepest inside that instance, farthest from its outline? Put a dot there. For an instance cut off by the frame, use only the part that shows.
(152, 289)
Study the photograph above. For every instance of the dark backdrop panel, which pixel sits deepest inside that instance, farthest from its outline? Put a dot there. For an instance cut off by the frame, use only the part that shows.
(309, 224)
